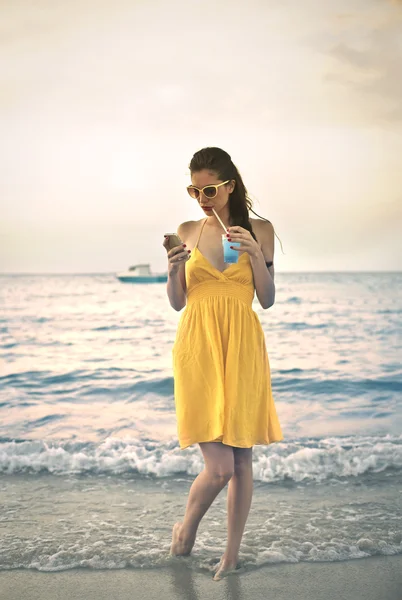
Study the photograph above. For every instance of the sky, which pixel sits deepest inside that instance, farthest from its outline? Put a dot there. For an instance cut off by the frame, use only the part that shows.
(103, 105)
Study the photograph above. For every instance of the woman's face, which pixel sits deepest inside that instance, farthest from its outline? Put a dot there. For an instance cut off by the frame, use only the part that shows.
(202, 178)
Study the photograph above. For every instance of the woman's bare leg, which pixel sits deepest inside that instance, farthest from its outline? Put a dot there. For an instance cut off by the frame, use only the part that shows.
(239, 498)
(219, 468)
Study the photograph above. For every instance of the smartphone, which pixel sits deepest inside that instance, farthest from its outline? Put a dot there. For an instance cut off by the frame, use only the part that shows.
(174, 240)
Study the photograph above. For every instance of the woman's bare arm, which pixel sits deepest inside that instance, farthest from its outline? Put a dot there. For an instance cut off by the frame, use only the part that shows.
(176, 285)
(263, 275)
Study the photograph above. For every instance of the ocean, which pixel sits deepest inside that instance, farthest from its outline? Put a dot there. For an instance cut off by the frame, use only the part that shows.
(91, 474)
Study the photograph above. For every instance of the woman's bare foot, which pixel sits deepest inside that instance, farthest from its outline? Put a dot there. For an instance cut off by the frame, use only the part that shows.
(180, 546)
(226, 567)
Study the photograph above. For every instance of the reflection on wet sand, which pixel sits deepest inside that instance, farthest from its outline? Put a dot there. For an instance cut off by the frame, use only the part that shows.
(185, 588)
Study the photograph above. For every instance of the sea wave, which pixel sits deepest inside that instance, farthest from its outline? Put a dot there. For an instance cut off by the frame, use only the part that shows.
(302, 460)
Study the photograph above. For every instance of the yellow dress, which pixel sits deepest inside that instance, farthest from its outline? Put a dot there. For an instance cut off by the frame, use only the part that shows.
(222, 379)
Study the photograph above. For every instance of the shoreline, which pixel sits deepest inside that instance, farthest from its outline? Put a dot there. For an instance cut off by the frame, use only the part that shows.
(371, 578)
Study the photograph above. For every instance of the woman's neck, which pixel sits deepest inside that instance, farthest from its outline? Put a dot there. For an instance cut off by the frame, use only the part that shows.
(212, 221)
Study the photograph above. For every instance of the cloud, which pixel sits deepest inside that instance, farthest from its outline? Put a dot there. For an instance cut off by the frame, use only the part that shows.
(368, 58)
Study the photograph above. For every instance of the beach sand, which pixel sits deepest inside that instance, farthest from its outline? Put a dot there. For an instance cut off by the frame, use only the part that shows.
(373, 578)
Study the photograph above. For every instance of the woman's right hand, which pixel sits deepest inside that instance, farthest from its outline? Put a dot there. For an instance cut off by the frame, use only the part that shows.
(176, 256)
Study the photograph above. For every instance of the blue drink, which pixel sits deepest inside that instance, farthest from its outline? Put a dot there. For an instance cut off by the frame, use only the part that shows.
(229, 255)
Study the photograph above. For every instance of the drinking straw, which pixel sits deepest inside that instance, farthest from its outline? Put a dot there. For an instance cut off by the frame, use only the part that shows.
(213, 210)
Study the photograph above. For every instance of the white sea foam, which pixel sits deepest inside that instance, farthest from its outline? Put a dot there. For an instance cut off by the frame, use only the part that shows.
(298, 460)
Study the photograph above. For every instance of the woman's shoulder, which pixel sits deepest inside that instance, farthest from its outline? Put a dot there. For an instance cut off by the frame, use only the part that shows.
(263, 230)
(188, 226)
(258, 221)
(261, 225)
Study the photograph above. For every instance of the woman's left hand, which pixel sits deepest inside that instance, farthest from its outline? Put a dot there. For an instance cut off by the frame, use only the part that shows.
(247, 242)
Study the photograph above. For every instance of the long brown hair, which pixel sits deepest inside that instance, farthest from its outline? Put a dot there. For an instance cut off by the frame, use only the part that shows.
(220, 162)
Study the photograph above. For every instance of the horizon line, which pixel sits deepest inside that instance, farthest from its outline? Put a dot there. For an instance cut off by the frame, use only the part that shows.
(5, 274)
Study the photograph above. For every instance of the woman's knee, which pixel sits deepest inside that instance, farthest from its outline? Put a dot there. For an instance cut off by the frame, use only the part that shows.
(222, 473)
(219, 461)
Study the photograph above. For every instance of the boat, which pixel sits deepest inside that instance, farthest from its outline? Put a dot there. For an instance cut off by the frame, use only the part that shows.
(141, 274)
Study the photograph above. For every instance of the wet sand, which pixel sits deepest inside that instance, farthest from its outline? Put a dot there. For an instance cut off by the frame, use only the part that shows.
(373, 578)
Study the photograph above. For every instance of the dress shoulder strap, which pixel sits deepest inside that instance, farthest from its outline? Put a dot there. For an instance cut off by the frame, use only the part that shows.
(199, 235)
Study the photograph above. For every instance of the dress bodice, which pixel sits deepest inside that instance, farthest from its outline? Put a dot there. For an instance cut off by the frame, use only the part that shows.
(235, 280)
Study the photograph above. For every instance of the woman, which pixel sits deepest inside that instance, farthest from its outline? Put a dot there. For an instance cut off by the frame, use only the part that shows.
(221, 370)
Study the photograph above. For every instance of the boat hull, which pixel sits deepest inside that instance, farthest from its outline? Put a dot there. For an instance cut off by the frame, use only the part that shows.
(141, 279)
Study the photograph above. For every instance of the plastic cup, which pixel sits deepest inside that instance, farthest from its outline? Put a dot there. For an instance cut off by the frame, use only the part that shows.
(229, 255)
